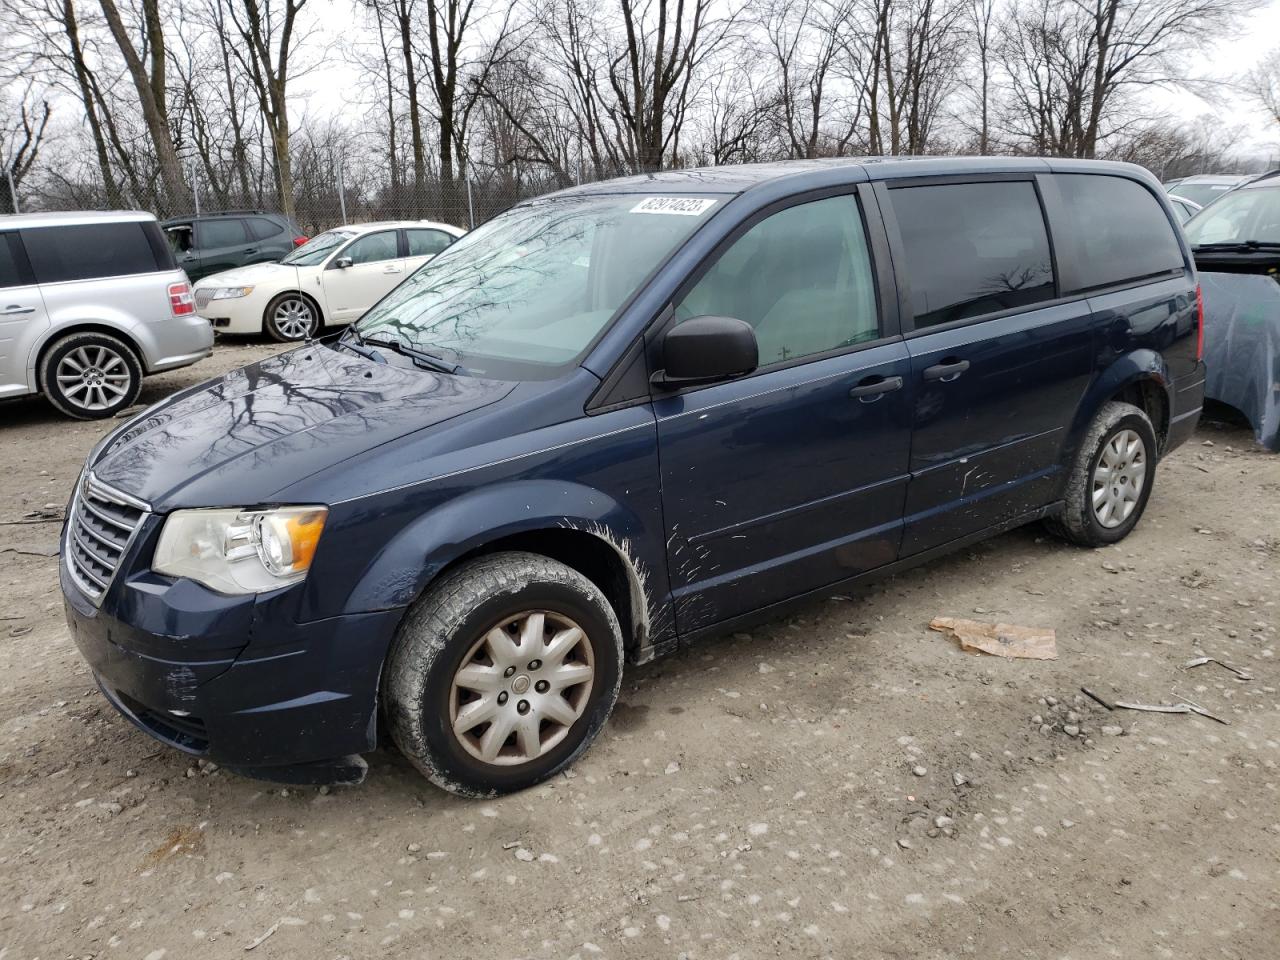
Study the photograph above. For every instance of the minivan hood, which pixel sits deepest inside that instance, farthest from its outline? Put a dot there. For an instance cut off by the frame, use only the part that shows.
(239, 439)
(246, 276)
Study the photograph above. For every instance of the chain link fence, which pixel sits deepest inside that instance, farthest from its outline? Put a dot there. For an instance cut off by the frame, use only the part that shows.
(319, 203)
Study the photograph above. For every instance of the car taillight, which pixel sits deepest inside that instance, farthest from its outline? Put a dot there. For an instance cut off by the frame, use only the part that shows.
(299, 241)
(181, 302)
(1199, 323)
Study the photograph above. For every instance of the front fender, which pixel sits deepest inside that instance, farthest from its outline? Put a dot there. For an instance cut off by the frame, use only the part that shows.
(406, 565)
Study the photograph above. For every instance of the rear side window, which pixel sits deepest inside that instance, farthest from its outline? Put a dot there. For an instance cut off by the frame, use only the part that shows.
(211, 234)
(1118, 231)
(88, 250)
(12, 270)
(973, 249)
(427, 243)
(260, 228)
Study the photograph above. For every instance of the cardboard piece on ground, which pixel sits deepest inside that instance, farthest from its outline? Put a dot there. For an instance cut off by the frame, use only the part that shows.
(1000, 639)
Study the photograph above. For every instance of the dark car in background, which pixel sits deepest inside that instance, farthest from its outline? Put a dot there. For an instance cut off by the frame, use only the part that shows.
(613, 421)
(221, 241)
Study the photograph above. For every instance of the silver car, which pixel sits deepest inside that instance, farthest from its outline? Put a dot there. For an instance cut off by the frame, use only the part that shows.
(90, 303)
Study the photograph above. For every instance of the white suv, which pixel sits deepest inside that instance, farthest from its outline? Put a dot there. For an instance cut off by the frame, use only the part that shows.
(90, 303)
(331, 279)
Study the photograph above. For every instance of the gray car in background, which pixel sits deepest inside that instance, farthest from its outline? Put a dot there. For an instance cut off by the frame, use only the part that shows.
(90, 303)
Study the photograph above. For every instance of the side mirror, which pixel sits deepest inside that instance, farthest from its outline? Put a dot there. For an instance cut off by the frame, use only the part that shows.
(706, 349)
(342, 263)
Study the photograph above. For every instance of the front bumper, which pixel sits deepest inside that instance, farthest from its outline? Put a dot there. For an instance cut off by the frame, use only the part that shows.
(235, 314)
(236, 679)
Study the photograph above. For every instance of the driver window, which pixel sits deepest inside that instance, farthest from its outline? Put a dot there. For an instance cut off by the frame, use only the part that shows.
(373, 247)
(802, 278)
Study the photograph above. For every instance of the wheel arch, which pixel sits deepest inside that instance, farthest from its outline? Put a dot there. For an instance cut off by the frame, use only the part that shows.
(576, 525)
(310, 298)
(1140, 378)
(56, 335)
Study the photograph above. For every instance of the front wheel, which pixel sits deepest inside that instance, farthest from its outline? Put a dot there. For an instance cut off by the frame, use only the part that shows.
(502, 674)
(1111, 479)
(290, 317)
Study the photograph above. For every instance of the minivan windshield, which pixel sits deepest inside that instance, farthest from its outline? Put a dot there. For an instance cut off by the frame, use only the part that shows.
(526, 293)
(317, 248)
(1250, 215)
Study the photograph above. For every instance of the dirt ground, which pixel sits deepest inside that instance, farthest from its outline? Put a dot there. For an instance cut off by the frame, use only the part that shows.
(843, 783)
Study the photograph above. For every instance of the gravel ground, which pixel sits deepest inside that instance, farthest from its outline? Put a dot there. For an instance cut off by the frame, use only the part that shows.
(842, 783)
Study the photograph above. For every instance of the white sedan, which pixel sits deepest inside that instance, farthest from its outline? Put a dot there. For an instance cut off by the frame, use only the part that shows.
(332, 279)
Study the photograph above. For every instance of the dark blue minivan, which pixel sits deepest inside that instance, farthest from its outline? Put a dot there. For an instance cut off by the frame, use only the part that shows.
(612, 421)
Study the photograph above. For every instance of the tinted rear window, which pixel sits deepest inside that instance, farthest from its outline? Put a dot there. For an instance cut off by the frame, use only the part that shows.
(88, 250)
(973, 249)
(1117, 230)
(260, 228)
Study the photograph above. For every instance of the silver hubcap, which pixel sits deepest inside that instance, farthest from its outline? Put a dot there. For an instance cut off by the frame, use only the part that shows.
(293, 318)
(93, 378)
(521, 687)
(1118, 478)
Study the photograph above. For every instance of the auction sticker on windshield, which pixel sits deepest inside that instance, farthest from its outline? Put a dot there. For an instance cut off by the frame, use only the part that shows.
(682, 206)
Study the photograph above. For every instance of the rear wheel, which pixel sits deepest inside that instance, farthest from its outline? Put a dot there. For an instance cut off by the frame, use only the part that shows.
(1111, 479)
(502, 674)
(291, 316)
(91, 376)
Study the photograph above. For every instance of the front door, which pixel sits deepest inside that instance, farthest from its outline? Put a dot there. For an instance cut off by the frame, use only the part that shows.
(793, 477)
(375, 267)
(997, 372)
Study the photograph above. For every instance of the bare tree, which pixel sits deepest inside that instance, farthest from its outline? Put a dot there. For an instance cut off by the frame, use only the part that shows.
(270, 35)
(1262, 84)
(1076, 68)
(150, 85)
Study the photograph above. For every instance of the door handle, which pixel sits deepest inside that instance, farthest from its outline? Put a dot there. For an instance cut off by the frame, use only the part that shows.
(871, 389)
(947, 370)
(390, 269)
(251, 250)
(15, 308)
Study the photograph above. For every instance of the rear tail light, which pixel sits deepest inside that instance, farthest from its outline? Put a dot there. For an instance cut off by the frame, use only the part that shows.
(299, 241)
(1199, 323)
(181, 302)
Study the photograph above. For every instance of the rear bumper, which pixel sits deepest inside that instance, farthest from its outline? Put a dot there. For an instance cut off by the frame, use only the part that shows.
(1188, 401)
(176, 342)
(232, 678)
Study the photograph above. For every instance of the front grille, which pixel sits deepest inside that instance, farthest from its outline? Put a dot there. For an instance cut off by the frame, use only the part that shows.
(102, 523)
(202, 298)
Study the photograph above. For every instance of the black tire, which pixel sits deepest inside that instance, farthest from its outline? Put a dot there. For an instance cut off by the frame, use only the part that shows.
(111, 380)
(277, 327)
(1079, 522)
(438, 637)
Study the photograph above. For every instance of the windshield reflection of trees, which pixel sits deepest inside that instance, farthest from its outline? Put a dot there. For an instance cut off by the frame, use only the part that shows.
(528, 272)
(239, 415)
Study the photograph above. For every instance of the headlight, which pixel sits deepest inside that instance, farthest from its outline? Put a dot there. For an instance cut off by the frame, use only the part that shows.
(240, 551)
(230, 293)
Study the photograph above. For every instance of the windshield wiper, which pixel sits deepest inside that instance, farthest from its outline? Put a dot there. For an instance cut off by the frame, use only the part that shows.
(424, 358)
(359, 346)
(1238, 245)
